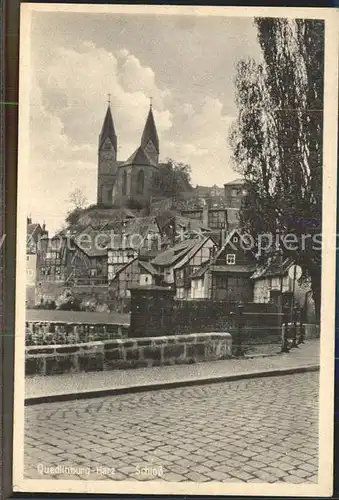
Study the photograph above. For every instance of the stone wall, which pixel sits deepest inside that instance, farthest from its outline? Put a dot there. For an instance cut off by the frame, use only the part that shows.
(127, 353)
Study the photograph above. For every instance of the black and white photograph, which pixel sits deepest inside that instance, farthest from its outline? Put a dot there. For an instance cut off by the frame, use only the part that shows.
(176, 248)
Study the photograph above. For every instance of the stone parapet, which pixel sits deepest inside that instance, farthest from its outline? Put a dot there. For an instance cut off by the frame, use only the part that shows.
(127, 353)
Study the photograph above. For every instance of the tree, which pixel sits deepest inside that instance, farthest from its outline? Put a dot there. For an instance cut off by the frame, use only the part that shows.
(172, 179)
(78, 202)
(277, 139)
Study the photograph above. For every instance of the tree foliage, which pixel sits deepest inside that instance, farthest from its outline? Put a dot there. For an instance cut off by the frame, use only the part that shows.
(78, 202)
(172, 179)
(277, 138)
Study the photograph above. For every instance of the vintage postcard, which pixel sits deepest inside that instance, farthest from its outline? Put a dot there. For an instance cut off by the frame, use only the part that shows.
(176, 250)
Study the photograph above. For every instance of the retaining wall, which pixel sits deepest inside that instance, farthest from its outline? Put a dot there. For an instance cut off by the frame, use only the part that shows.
(127, 353)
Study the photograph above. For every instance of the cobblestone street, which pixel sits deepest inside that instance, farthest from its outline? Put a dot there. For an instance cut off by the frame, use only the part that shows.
(254, 430)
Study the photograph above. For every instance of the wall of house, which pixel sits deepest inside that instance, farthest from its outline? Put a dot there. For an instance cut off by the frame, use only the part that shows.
(202, 256)
(198, 288)
(233, 194)
(169, 275)
(128, 353)
(146, 279)
(231, 288)
(31, 269)
(128, 277)
(117, 258)
(262, 288)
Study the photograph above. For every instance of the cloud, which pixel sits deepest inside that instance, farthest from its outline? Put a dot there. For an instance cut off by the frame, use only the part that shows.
(201, 140)
(67, 108)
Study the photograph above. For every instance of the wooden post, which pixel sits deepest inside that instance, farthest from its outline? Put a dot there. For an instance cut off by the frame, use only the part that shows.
(284, 330)
(240, 310)
(293, 312)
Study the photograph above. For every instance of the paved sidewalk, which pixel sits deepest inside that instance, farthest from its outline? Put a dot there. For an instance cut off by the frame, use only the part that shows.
(80, 385)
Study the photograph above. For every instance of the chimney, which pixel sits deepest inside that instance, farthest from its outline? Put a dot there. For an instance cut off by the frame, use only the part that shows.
(29, 220)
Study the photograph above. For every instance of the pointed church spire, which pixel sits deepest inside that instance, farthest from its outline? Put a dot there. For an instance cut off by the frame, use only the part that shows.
(108, 128)
(150, 133)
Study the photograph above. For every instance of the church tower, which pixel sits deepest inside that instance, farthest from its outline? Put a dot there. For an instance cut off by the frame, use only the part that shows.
(150, 139)
(107, 160)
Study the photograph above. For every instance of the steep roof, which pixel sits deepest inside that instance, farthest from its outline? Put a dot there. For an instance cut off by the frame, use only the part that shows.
(120, 268)
(139, 157)
(174, 254)
(108, 130)
(228, 239)
(275, 266)
(150, 132)
(31, 228)
(147, 266)
(186, 258)
(199, 273)
(92, 242)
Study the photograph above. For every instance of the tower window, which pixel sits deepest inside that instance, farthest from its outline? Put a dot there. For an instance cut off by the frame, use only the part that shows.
(124, 183)
(140, 182)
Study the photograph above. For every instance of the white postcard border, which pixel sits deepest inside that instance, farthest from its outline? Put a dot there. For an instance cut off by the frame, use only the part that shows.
(326, 396)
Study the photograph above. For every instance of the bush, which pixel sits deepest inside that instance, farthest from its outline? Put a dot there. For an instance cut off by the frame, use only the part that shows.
(47, 304)
(69, 302)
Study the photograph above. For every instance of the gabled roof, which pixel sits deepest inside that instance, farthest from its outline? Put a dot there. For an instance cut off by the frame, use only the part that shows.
(132, 233)
(228, 240)
(92, 242)
(139, 157)
(150, 132)
(122, 267)
(147, 266)
(199, 243)
(199, 273)
(31, 229)
(275, 266)
(174, 254)
(108, 130)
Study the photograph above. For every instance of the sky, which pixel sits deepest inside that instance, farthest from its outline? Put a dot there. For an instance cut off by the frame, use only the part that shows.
(186, 64)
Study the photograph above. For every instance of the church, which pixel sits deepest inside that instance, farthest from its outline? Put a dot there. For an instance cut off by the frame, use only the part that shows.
(126, 183)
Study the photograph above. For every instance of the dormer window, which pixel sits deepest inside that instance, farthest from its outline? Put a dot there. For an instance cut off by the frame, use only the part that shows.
(230, 258)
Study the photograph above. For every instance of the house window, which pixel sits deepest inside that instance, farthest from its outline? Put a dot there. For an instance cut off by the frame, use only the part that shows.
(140, 182)
(230, 258)
(234, 192)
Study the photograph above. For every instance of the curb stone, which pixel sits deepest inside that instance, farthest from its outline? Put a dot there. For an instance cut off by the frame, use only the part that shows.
(168, 385)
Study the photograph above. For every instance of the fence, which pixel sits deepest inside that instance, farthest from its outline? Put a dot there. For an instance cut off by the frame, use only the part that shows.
(254, 327)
